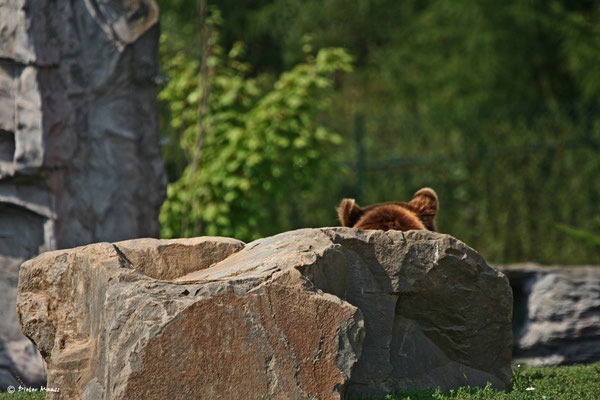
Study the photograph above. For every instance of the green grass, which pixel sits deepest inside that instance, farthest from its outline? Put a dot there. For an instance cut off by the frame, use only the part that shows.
(581, 382)
(23, 396)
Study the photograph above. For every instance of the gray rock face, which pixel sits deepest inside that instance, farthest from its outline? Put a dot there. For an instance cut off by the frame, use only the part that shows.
(313, 313)
(79, 154)
(557, 314)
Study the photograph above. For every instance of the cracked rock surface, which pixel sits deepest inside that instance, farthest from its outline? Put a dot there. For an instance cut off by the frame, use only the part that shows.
(306, 314)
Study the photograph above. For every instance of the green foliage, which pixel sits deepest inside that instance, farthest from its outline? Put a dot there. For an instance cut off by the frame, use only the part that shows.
(264, 144)
(583, 235)
(497, 118)
(493, 104)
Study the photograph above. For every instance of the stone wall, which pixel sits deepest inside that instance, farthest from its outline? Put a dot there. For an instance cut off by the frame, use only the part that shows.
(79, 152)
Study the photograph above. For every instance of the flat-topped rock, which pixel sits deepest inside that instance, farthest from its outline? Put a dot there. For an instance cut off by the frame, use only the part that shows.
(307, 314)
(169, 259)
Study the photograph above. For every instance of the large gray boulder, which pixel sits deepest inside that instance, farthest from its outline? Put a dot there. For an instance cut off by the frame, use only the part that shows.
(307, 314)
(79, 153)
(557, 313)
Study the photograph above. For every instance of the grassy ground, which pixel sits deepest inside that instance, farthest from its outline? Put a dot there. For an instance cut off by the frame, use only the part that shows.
(23, 396)
(581, 382)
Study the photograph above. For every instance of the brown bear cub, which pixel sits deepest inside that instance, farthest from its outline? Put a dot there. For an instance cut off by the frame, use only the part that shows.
(419, 213)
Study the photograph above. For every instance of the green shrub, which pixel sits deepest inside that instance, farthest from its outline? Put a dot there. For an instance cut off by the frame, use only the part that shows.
(253, 147)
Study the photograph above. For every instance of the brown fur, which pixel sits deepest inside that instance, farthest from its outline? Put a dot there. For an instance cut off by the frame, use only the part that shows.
(419, 213)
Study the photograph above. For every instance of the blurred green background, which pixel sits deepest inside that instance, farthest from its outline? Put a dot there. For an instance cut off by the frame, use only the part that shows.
(299, 103)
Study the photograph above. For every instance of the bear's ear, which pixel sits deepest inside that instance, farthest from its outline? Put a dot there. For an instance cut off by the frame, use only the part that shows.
(349, 212)
(425, 203)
